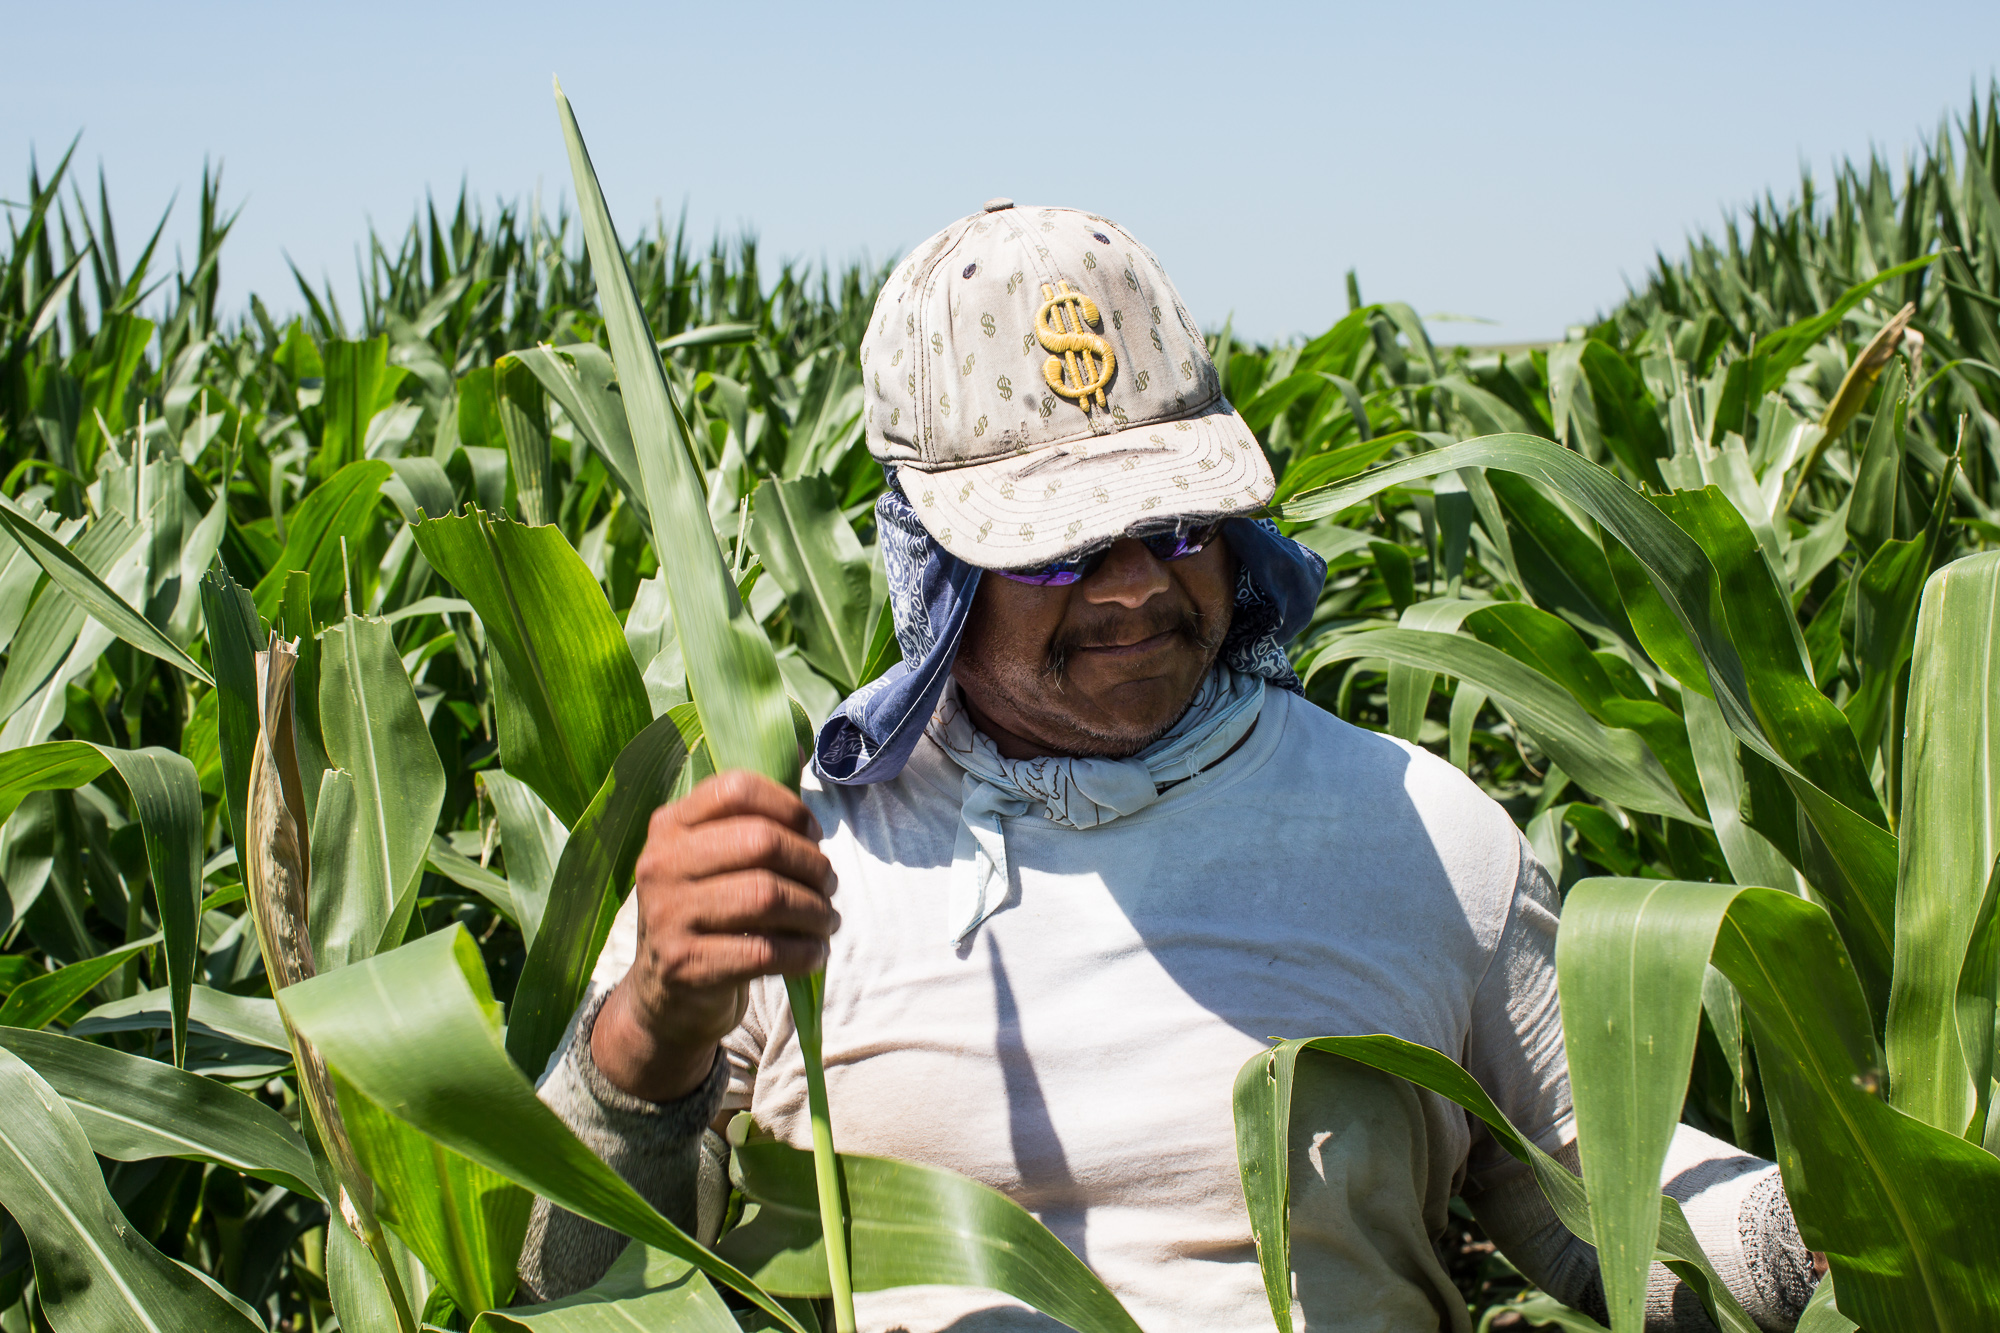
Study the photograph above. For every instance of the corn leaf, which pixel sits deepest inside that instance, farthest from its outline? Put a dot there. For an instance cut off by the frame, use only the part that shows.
(68, 571)
(810, 551)
(583, 380)
(234, 636)
(1893, 1202)
(166, 801)
(909, 1225)
(39, 1001)
(645, 1288)
(732, 672)
(1610, 761)
(415, 1032)
(250, 1019)
(1750, 856)
(133, 1108)
(342, 506)
(376, 732)
(93, 1270)
(50, 627)
(532, 839)
(465, 1221)
(1941, 1063)
(566, 690)
(1410, 687)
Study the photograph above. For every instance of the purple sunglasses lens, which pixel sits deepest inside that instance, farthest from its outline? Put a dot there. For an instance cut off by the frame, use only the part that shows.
(1042, 578)
(1165, 546)
(1176, 545)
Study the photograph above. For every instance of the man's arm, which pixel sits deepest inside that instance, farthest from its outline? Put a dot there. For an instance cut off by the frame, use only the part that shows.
(731, 886)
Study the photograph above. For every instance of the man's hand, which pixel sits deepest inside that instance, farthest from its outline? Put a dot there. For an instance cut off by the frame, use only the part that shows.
(732, 886)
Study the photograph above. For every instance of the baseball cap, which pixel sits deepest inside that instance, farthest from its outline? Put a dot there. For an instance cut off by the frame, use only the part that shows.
(1040, 389)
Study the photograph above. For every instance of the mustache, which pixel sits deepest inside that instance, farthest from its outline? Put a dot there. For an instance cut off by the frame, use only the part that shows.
(1205, 633)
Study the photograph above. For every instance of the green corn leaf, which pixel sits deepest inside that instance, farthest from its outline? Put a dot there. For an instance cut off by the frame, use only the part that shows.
(1545, 1311)
(416, 1033)
(1561, 567)
(1777, 352)
(1551, 646)
(359, 383)
(37, 1002)
(134, 1108)
(234, 636)
(469, 874)
(1629, 1055)
(1939, 1072)
(1886, 594)
(1871, 505)
(1611, 761)
(1466, 701)
(93, 1270)
(810, 551)
(48, 632)
(590, 877)
(1893, 1202)
(425, 485)
(1263, 1108)
(464, 1220)
(50, 766)
(166, 801)
(356, 1287)
(532, 839)
(375, 731)
(67, 570)
(1764, 708)
(732, 672)
(583, 380)
(644, 1289)
(1410, 687)
(251, 1019)
(1628, 420)
(1821, 1315)
(343, 506)
(910, 1225)
(1676, 565)
(570, 696)
(1751, 857)
(524, 421)
(1801, 722)
(20, 576)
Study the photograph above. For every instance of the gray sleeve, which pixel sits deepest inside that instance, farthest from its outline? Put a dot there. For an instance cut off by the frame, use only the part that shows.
(1734, 1203)
(656, 1146)
(1514, 1045)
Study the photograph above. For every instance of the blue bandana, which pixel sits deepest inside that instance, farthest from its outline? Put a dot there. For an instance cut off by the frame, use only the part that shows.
(872, 734)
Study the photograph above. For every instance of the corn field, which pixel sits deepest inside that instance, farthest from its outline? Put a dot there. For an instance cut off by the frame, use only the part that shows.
(346, 657)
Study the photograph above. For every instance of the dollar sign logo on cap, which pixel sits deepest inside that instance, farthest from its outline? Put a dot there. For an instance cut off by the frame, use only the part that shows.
(1082, 363)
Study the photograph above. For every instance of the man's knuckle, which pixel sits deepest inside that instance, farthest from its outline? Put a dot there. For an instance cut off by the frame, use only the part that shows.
(763, 840)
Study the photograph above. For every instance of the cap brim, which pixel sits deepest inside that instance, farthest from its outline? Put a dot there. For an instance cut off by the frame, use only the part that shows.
(1034, 507)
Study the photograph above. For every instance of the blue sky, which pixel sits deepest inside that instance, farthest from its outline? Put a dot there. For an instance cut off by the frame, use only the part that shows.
(1511, 162)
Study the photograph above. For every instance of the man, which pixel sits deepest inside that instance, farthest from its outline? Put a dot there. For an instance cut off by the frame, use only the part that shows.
(1093, 848)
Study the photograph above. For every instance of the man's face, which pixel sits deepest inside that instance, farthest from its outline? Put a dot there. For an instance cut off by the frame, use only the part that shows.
(1103, 666)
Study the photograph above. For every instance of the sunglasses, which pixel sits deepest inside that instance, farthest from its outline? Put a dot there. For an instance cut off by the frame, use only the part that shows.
(1175, 543)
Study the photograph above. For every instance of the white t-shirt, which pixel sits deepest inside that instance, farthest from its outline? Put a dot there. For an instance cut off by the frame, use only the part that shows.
(1078, 1052)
